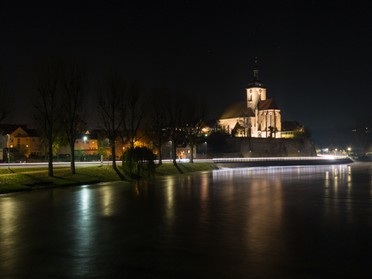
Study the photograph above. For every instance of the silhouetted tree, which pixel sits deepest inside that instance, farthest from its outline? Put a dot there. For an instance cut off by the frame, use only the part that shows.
(73, 89)
(157, 120)
(110, 107)
(48, 106)
(217, 141)
(133, 112)
(194, 123)
(175, 110)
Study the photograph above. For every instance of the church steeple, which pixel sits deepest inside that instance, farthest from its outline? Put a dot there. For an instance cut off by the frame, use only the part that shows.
(255, 69)
(256, 82)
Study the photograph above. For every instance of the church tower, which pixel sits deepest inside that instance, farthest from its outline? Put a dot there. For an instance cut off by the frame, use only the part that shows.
(256, 90)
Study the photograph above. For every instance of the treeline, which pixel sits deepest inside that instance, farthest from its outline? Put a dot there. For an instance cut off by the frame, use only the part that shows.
(124, 110)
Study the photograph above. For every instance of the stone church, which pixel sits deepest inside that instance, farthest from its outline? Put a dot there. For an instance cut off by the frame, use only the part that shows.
(257, 117)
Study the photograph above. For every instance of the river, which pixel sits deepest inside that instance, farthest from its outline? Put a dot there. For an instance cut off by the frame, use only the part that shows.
(272, 222)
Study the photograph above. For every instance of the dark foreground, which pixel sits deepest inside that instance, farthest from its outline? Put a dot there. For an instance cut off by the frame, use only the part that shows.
(276, 222)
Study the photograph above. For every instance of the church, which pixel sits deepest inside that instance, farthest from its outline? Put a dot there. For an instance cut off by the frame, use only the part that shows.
(257, 117)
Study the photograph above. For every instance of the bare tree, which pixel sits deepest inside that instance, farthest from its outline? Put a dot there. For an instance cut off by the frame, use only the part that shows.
(175, 109)
(110, 107)
(133, 112)
(195, 117)
(47, 108)
(73, 88)
(157, 121)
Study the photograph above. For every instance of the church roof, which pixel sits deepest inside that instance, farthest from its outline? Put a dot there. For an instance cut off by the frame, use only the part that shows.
(10, 128)
(256, 83)
(267, 104)
(237, 110)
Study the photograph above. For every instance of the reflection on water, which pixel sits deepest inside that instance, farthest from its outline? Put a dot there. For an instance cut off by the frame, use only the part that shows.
(8, 223)
(169, 198)
(273, 222)
(107, 201)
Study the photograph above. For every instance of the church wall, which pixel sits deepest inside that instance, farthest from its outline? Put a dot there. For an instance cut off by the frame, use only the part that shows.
(266, 119)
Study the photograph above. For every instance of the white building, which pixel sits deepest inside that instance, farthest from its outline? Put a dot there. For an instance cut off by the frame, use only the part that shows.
(256, 117)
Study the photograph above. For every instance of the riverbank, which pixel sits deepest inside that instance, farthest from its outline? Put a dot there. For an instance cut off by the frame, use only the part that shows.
(18, 179)
(26, 179)
(280, 161)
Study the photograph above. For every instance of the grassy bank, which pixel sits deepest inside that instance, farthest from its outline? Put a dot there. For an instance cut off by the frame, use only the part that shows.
(23, 179)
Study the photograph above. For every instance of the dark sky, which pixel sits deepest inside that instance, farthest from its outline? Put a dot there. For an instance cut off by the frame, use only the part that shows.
(315, 56)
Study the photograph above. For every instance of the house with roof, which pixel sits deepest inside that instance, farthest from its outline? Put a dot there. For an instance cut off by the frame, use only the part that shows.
(257, 117)
(20, 139)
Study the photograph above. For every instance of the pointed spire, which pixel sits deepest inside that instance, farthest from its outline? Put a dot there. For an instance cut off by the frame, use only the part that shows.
(255, 69)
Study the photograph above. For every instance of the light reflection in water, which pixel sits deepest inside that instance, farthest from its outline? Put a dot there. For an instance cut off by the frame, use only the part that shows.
(264, 213)
(84, 225)
(260, 192)
(169, 198)
(337, 190)
(8, 233)
(107, 201)
(204, 197)
(204, 187)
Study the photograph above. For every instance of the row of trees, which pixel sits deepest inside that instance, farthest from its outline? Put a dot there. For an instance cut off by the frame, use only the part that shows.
(125, 110)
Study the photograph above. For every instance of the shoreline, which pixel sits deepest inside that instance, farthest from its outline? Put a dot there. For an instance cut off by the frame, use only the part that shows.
(279, 161)
(24, 180)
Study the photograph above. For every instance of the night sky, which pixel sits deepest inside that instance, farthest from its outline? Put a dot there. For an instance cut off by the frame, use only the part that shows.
(315, 57)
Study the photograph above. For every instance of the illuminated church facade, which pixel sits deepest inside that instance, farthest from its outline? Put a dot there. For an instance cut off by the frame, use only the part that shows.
(257, 117)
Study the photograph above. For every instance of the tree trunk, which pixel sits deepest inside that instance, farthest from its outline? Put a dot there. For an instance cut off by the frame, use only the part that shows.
(50, 158)
(72, 163)
(160, 154)
(113, 154)
(192, 153)
(174, 152)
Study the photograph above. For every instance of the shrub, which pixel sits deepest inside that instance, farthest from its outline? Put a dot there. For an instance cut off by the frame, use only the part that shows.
(138, 162)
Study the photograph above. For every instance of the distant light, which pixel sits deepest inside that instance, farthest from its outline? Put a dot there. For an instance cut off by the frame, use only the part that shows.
(85, 138)
(349, 149)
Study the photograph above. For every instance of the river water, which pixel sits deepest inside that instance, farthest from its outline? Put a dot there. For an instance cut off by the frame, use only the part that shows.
(273, 222)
